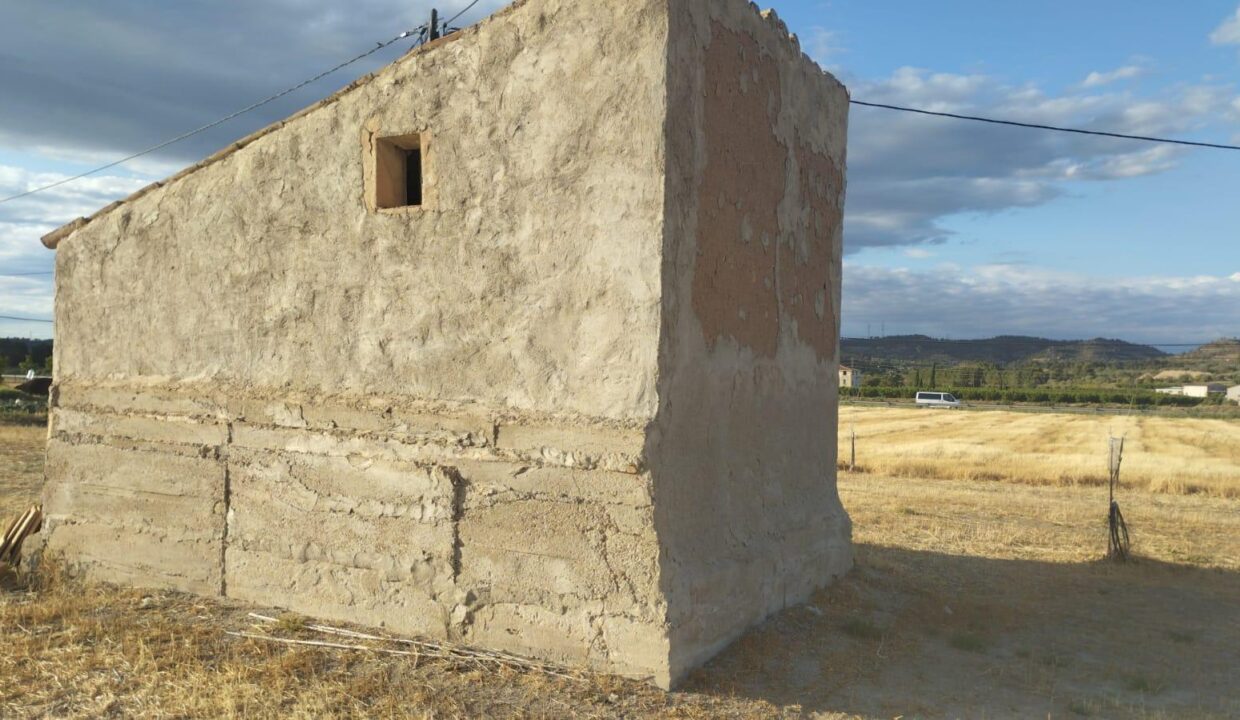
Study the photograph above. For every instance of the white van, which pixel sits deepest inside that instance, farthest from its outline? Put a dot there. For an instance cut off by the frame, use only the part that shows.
(937, 399)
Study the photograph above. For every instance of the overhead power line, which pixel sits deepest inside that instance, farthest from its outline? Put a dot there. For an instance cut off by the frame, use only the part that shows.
(24, 319)
(422, 32)
(467, 8)
(28, 274)
(1037, 126)
(221, 121)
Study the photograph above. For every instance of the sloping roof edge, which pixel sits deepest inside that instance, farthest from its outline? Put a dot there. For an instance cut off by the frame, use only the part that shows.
(53, 239)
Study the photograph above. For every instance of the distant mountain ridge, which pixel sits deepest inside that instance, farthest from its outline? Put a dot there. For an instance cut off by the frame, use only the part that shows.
(1002, 349)
(1225, 350)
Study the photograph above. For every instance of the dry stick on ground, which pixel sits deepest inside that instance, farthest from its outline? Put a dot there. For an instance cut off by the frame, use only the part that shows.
(320, 643)
(431, 649)
(1117, 538)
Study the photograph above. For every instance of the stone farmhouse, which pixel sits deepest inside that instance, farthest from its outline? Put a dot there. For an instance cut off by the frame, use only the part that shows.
(526, 341)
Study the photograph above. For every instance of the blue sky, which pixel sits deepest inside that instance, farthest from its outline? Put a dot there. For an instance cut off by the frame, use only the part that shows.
(1119, 228)
(952, 229)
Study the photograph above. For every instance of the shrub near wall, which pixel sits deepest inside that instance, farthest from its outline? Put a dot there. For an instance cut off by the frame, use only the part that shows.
(18, 408)
(1056, 396)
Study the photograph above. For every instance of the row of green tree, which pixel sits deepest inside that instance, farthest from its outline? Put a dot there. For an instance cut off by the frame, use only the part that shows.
(18, 355)
(1058, 396)
(1045, 374)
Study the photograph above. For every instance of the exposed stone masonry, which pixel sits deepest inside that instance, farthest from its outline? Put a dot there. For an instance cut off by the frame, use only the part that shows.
(423, 519)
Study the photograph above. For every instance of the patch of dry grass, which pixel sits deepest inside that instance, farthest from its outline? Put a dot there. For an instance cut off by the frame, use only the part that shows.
(93, 651)
(73, 650)
(1178, 456)
(21, 469)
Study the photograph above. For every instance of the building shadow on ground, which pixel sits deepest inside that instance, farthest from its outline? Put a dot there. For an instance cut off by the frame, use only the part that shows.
(925, 634)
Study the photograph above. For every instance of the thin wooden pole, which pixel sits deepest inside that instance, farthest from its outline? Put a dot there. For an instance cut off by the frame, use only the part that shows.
(852, 461)
(1118, 543)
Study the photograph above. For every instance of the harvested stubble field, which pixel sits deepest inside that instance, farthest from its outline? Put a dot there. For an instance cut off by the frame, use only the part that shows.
(21, 469)
(970, 599)
(1173, 455)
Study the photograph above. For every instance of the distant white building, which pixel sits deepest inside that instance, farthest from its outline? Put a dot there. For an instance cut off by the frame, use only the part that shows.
(1205, 390)
(1197, 391)
(1233, 393)
(849, 378)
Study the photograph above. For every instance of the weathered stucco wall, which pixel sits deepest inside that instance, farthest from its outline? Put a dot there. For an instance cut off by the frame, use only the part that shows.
(579, 405)
(429, 418)
(530, 281)
(743, 451)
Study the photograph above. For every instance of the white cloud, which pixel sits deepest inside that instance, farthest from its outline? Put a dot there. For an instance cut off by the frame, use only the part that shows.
(60, 204)
(24, 221)
(822, 44)
(1008, 299)
(1097, 79)
(1229, 32)
(908, 172)
(25, 297)
(118, 78)
(918, 253)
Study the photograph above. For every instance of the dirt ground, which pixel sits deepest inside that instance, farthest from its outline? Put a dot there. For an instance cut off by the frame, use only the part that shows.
(970, 599)
(976, 599)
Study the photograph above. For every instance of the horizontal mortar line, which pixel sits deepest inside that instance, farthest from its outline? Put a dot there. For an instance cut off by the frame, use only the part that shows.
(352, 512)
(517, 552)
(221, 421)
(475, 421)
(138, 530)
(144, 569)
(121, 491)
(255, 548)
(129, 411)
(480, 454)
(95, 440)
(357, 433)
(488, 453)
(417, 436)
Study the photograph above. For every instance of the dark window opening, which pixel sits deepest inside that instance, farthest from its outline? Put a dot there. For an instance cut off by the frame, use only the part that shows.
(413, 177)
(398, 171)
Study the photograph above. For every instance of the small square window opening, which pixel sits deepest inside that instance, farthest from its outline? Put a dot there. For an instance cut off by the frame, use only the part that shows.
(398, 171)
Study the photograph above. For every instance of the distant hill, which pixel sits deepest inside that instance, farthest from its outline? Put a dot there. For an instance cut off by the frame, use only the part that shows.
(1002, 350)
(1226, 351)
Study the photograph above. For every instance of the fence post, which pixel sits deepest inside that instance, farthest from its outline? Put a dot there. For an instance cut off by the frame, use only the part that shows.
(1118, 542)
(852, 460)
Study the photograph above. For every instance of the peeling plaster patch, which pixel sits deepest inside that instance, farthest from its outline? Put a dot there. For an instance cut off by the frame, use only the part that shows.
(744, 183)
(806, 271)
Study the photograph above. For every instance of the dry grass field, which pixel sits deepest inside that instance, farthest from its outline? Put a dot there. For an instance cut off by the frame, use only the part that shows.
(21, 469)
(971, 598)
(1172, 455)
